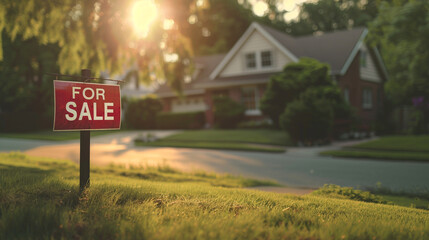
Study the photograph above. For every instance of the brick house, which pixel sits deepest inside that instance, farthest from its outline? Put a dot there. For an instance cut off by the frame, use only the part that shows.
(244, 72)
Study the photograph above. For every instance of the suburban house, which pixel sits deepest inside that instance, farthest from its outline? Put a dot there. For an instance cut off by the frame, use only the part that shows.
(244, 72)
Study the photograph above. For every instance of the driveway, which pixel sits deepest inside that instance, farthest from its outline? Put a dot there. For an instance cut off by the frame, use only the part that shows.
(298, 167)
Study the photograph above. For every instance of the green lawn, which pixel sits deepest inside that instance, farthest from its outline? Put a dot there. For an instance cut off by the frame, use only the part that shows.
(398, 143)
(402, 148)
(381, 155)
(50, 135)
(257, 136)
(246, 140)
(212, 145)
(416, 202)
(39, 200)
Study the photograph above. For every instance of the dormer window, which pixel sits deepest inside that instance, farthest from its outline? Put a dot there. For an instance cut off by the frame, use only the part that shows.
(266, 59)
(250, 60)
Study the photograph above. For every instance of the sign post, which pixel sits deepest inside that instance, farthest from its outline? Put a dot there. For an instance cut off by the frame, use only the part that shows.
(85, 143)
(83, 106)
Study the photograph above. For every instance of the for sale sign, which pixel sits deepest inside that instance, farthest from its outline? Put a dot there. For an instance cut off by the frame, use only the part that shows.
(86, 106)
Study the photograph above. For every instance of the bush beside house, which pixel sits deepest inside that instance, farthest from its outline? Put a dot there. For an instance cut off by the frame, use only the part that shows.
(304, 101)
(227, 113)
(188, 120)
(141, 113)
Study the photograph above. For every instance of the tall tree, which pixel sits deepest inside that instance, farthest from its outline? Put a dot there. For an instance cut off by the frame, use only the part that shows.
(330, 15)
(402, 31)
(25, 92)
(98, 34)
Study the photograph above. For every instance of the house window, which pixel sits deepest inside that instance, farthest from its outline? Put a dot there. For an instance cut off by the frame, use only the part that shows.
(250, 98)
(363, 58)
(367, 98)
(250, 60)
(266, 59)
(347, 95)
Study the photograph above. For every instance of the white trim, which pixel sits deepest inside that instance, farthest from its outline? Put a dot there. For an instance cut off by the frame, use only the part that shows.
(233, 51)
(354, 52)
(253, 27)
(276, 43)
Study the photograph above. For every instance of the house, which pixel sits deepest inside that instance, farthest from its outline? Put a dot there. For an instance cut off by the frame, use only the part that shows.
(244, 72)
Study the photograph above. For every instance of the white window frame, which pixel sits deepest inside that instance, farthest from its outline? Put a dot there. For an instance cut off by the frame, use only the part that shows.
(255, 111)
(247, 61)
(271, 59)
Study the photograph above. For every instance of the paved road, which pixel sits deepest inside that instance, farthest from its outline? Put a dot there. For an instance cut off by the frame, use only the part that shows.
(298, 167)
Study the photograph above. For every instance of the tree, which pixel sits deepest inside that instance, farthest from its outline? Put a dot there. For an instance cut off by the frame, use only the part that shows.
(401, 30)
(227, 113)
(330, 15)
(287, 86)
(99, 34)
(304, 95)
(26, 93)
(308, 120)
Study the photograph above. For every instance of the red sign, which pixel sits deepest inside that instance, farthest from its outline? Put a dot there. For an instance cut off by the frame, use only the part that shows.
(86, 106)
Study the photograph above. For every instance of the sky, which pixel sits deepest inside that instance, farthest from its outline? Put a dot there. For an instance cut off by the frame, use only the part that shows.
(291, 6)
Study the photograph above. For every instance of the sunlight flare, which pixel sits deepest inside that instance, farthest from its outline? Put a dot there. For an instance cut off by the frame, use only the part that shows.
(143, 14)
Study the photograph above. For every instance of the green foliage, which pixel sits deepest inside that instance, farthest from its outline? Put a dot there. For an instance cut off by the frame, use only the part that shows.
(189, 120)
(227, 112)
(26, 93)
(380, 155)
(402, 148)
(330, 15)
(304, 95)
(39, 199)
(410, 143)
(141, 113)
(308, 121)
(50, 135)
(287, 86)
(99, 35)
(255, 124)
(335, 191)
(212, 145)
(260, 136)
(401, 31)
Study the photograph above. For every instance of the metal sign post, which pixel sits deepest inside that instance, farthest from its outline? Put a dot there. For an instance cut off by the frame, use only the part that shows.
(85, 143)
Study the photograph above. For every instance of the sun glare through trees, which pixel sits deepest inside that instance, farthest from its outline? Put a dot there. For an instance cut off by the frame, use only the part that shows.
(143, 14)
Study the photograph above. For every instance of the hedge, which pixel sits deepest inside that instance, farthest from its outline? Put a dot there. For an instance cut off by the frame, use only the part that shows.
(191, 120)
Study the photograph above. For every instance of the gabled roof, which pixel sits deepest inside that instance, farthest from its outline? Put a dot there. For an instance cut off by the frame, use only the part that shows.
(253, 27)
(204, 66)
(338, 48)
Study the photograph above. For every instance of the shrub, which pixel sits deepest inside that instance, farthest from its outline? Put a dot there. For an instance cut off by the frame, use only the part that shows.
(256, 124)
(334, 191)
(308, 121)
(227, 113)
(24, 121)
(192, 120)
(141, 113)
(305, 101)
(287, 86)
